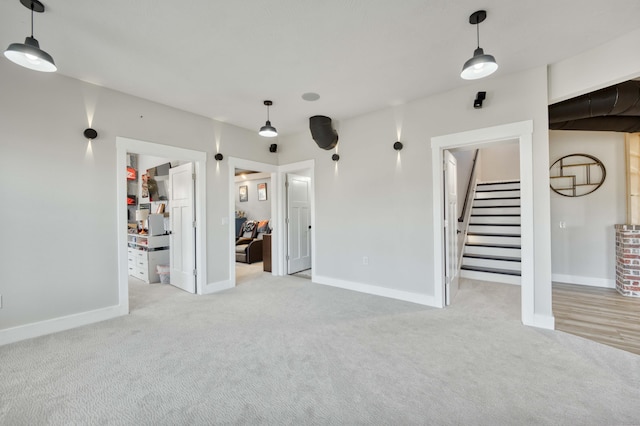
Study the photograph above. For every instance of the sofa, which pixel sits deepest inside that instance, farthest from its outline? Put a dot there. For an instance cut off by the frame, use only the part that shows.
(249, 244)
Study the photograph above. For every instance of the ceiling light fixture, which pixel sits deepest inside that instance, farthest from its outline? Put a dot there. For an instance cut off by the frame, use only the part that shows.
(480, 65)
(268, 130)
(29, 54)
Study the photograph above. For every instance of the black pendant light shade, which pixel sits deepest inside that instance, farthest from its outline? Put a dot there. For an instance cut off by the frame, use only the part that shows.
(480, 65)
(29, 54)
(268, 130)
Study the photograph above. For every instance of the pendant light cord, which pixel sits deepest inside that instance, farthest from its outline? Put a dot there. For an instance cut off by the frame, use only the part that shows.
(478, 34)
(32, 6)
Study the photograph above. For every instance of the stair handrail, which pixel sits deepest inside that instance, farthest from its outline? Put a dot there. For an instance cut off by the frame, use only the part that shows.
(468, 194)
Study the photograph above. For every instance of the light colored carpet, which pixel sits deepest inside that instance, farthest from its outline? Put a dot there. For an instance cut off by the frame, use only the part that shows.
(287, 351)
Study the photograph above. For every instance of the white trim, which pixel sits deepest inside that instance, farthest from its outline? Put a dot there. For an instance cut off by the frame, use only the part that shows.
(240, 163)
(199, 159)
(521, 131)
(281, 244)
(543, 321)
(217, 286)
(420, 299)
(586, 281)
(55, 325)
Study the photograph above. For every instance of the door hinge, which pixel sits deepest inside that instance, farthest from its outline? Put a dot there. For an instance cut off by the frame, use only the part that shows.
(287, 257)
(193, 176)
(286, 220)
(195, 272)
(286, 184)
(194, 223)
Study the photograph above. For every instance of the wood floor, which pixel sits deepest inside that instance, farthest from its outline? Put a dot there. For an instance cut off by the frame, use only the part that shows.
(599, 314)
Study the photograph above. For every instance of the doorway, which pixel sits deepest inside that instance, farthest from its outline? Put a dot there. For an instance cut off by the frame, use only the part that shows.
(522, 132)
(198, 160)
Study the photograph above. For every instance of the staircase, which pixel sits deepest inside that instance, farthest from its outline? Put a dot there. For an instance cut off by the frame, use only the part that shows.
(492, 247)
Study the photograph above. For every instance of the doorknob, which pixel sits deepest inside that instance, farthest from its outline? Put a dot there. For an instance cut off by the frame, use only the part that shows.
(309, 226)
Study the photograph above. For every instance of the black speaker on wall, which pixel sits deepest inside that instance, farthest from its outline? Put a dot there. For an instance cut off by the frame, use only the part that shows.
(273, 147)
(322, 132)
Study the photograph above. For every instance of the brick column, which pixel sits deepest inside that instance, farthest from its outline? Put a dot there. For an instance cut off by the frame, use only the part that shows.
(628, 260)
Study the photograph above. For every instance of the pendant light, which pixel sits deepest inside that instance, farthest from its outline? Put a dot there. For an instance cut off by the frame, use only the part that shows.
(480, 65)
(268, 130)
(29, 54)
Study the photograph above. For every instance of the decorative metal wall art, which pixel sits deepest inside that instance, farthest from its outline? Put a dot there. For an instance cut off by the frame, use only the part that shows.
(576, 175)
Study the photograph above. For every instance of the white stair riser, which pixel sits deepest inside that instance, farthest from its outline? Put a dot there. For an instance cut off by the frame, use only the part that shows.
(498, 185)
(490, 263)
(496, 203)
(483, 276)
(495, 210)
(495, 219)
(495, 229)
(484, 239)
(492, 251)
(498, 194)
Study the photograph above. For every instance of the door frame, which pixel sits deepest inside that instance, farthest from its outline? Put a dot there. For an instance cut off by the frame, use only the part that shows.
(288, 227)
(240, 163)
(278, 211)
(199, 160)
(305, 168)
(523, 133)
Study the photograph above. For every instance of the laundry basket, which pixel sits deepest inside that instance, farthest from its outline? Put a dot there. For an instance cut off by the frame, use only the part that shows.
(164, 272)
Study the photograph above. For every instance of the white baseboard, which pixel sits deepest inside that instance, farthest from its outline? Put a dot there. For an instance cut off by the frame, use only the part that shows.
(544, 321)
(28, 331)
(588, 281)
(217, 286)
(421, 299)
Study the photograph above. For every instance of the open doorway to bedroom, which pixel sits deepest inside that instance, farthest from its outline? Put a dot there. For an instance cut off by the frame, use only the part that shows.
(160, 216)
(253, 191)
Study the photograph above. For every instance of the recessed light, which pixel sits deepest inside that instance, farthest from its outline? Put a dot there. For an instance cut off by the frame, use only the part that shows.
(310, 96)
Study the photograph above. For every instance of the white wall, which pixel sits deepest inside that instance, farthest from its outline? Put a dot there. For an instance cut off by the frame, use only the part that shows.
(377, 203)
(584, 251)
(374, 202)
(58, 248)
(254, 209)
(611, 63)
(464, 164)
(499, 162)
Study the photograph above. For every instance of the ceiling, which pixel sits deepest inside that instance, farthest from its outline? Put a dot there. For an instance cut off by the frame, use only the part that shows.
(221, 59)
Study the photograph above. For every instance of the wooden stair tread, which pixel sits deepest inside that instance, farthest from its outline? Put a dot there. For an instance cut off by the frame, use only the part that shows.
(496, 215)
(510, 246)
(494, 224)
(496, 198)
(497, 190)
(490, 270)
(491, 234)
(492, 257)
(498, 183)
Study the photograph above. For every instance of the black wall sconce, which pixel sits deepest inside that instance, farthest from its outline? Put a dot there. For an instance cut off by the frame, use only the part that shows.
(218, 157)
(398, 146)
(273, 147)
(480, 96)
(335, 157)
(90, 134)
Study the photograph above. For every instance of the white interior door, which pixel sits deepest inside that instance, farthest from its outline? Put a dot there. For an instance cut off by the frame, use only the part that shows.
(451, 226)
(298, 223)
(182, 213)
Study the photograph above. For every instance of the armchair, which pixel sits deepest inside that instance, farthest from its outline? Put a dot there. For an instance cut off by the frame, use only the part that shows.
(250, 250)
